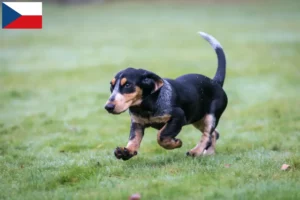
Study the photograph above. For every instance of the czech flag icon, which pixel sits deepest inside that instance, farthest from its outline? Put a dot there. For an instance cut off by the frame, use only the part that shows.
(22, 15)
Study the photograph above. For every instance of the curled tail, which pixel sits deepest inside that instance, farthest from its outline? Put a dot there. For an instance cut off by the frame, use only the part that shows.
(221, 70)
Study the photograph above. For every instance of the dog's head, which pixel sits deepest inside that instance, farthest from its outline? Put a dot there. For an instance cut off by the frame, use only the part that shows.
(129, 87)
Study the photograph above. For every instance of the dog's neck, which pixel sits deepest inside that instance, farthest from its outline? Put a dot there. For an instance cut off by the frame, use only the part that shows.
(155, 104)
(147, 107)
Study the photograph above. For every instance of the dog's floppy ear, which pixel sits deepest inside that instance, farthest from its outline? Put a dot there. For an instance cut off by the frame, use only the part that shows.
(151, 82)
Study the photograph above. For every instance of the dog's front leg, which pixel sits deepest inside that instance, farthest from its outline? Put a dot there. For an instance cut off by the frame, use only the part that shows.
(166, 135)
(135, 138)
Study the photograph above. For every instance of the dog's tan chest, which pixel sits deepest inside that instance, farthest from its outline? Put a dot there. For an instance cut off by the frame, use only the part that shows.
(150, 120)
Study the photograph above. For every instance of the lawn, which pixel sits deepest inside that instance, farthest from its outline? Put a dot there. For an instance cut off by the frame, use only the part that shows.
(57, 141)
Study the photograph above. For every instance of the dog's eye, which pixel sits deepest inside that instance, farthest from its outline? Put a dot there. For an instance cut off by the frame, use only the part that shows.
(127, 85)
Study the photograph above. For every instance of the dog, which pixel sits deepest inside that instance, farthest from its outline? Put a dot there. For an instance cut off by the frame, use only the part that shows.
(169, 104)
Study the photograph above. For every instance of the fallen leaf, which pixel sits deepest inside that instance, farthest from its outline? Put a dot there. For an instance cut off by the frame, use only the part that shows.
(285, 167)
(135, 197)
(227, 165)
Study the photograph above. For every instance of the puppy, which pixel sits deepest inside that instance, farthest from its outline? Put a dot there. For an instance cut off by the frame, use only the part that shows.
(169, 104)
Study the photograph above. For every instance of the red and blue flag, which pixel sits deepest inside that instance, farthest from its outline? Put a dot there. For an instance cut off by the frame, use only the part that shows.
(22, 15)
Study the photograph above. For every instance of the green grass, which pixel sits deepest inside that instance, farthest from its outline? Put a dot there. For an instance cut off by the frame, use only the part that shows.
(57, 141)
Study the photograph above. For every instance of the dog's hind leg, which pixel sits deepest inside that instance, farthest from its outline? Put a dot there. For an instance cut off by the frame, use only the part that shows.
(210, 150)
(208, 140)
(207, 126)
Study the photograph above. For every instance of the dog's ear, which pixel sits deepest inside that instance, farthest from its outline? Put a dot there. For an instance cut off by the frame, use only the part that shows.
(151, 82)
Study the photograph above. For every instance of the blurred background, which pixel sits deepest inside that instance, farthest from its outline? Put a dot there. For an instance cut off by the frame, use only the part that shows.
(84, 43)
(54, 83)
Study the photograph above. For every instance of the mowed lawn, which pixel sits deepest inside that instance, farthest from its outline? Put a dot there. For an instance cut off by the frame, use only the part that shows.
(57, 141)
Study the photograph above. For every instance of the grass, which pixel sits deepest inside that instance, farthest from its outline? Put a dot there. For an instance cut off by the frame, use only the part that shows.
(57, 141)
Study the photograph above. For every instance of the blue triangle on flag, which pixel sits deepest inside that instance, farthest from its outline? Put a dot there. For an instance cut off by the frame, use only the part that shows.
(8, 15)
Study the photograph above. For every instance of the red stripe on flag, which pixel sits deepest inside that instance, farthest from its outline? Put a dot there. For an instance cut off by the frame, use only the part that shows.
(26, 22)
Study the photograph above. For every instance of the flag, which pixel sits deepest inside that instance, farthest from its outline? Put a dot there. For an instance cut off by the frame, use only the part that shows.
(22, 15)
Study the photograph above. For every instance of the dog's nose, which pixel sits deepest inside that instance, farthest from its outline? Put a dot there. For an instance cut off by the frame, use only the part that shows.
(109, 107)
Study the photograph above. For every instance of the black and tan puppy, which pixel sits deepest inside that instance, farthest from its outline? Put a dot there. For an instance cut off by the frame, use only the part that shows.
(167, 105)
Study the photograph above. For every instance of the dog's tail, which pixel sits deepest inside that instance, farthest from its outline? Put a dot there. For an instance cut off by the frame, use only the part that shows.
(221, 71)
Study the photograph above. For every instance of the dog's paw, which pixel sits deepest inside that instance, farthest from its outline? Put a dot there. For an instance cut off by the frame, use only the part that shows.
(124, 153)
(193, 154)
(197, 154)
(190, 154)
(178, 143)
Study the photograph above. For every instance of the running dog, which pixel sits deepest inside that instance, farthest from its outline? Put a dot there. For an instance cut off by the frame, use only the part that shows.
(169, 104)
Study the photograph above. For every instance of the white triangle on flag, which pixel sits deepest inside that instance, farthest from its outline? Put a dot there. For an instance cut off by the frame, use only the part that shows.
(26, 8)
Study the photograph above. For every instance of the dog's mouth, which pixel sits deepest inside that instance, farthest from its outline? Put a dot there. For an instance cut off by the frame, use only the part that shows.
(117, 109)
(116, 113)
(121, 103)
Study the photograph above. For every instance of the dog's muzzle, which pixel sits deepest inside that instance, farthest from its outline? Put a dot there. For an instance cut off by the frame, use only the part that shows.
(110, 107)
